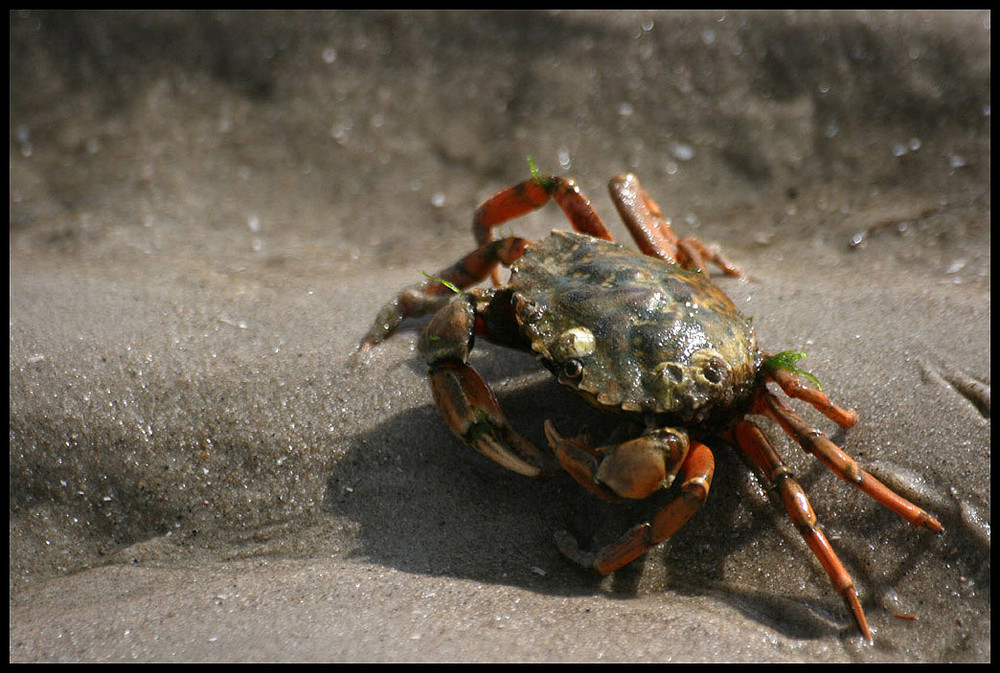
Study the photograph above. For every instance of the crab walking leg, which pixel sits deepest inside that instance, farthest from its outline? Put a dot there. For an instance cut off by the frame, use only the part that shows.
(430, 295)
(694, 249)
(532, 194)
(643, 218)
(696, 479)
(815, 442)
(755, 444)
(795, 388)
(654, 236)
(466, 402)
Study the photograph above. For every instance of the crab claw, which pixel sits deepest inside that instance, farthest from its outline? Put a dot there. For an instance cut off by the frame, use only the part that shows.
(631, 470)
(474, 415)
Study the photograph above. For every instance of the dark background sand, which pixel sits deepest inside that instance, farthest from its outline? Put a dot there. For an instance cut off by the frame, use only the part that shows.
(207, 209)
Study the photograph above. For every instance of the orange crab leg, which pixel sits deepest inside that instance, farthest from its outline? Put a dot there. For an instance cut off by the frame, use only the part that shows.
(654, 236)
(795, 388)
(430, 295)
(815, 442)
(695, 249)
(532, 194)
(755, 444)
(643, 217)
(696, 474)
(479, 263)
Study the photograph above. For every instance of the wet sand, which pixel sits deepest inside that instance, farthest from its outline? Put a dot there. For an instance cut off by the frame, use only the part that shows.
(207, 210)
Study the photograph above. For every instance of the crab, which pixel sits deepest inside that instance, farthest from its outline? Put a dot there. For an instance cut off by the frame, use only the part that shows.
(645, 335)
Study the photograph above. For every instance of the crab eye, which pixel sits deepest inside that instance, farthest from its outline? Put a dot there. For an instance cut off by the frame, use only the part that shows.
(572, 368)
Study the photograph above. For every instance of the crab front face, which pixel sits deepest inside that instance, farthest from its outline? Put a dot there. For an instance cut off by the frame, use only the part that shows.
(633, 333)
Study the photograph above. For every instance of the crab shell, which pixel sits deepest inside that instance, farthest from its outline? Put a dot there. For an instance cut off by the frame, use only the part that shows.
(633, 333)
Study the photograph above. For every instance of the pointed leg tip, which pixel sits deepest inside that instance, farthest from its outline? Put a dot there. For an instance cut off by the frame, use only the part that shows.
(850, 418)
(854, 606)
(569, 547)
(552, 435)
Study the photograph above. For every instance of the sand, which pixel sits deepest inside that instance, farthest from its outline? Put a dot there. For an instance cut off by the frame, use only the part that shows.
(207, 210)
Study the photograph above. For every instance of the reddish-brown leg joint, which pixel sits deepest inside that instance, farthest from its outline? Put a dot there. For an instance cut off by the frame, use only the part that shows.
(654, 235)
(793, 386)
(428, 296)
(532, 194)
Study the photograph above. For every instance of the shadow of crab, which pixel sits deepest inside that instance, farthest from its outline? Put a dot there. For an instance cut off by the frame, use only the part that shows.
(426, 503)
